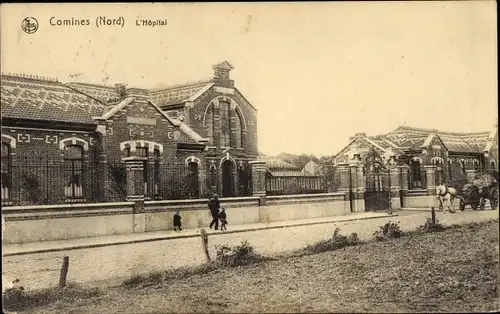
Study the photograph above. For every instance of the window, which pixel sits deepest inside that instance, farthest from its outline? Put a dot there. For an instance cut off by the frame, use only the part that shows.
(209, 121)
(225, 124)
(73, 171)
(143, 152)
(156, 171)
(193, 186)
(213, 178)
(6, 172)
(415, 175)
(462, 167)
(477, 166)
(238, 130)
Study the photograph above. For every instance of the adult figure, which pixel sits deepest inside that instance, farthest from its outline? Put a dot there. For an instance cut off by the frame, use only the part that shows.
(214, 205)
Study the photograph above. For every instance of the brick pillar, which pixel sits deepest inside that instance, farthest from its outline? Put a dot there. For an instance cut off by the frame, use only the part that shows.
(259, 169)
(394, 190)
(403, 184)
(258, 177)
(342, 177)
(430, 173)
(471, 175)
(135, 177)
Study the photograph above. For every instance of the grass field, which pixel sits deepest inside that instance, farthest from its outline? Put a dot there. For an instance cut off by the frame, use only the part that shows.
(456, 270)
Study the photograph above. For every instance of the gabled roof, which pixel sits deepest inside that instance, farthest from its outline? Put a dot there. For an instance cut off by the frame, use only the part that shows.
(34, 98)
(406, 138)
(187, 135)
(457, 142)
(177, 94)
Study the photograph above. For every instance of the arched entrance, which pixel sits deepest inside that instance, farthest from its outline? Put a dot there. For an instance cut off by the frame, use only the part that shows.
(227, 179)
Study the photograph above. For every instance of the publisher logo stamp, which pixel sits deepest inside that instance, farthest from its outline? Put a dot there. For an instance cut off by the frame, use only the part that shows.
(29, 25)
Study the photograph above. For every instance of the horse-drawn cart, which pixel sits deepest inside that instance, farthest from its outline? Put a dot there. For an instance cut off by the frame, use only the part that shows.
(473, 196)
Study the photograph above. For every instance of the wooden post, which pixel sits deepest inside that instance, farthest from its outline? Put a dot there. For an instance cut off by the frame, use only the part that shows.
(64, 272)
(204, 243)
(433, 216)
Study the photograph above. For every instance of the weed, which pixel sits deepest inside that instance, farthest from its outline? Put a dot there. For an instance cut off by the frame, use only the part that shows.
(428, 226)
(390, 230)
(18, 297)
(336, 242)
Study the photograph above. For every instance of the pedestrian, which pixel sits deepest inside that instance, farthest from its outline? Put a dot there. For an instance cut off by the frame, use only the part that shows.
(214, 205)
(177, 222)
(223, 219)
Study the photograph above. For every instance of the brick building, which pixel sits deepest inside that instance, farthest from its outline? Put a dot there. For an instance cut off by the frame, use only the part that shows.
(452, 154)
(73, 142)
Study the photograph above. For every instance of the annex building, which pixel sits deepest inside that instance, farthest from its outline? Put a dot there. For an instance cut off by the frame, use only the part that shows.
(74, 141)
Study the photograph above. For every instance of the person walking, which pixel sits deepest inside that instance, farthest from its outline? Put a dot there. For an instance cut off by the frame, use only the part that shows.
(177, 221)
(213, 205)
(223, 219)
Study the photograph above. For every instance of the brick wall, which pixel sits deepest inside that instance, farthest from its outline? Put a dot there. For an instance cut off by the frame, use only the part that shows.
(38, 171)
(197, 112)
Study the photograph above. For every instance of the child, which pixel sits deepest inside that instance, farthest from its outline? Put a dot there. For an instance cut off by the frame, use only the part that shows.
(177, 221)
(222, 217)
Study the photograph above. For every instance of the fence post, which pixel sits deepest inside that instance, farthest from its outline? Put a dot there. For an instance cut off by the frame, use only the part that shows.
(433, 216)
(64, 272)
(204, 243)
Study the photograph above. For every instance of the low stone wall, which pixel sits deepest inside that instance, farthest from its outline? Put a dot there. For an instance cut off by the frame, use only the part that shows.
(290, 207)
(420, 199)
(25, 224)
(58, 222)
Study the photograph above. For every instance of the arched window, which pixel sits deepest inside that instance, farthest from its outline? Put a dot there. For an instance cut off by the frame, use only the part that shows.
(156, 172)
(450, 170)
(230, 123)
(192, 183)
(415, 174)
(73, 171)
(225, 125)
(462, 167)
(213, 178)
(143, 152)
(6, 172)
(238, 131)
(209, 122)
(477, 166)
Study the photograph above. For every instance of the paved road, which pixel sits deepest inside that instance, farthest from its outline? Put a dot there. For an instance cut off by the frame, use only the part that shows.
(122, 261)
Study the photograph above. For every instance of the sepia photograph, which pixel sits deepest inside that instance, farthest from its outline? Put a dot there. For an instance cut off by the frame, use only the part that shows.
(238, 157)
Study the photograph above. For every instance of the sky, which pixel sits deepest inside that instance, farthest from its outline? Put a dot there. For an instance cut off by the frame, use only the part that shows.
(317, 72)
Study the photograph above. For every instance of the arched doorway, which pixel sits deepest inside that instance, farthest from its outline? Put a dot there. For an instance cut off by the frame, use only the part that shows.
(227, 179)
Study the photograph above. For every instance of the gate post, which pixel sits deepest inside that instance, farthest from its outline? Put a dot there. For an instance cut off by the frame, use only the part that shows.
(357, 187)
(430, 173)
(258, 177)
(259, 169)
(134, 166)
(403, 184)
(342, 172)
(394, 190)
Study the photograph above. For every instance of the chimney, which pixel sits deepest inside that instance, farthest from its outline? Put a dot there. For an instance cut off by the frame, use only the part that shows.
(121, 91)
(221, 74)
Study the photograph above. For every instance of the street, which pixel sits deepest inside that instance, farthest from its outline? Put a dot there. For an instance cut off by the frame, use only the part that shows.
(123, 261)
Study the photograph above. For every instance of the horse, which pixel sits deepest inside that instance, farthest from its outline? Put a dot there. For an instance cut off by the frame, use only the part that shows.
(448, 194)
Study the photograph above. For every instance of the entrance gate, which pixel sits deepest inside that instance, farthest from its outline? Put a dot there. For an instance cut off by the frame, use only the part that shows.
(376, 192)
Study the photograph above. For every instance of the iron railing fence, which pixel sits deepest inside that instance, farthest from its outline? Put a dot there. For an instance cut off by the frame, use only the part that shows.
(290, 185)
(56, 181)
